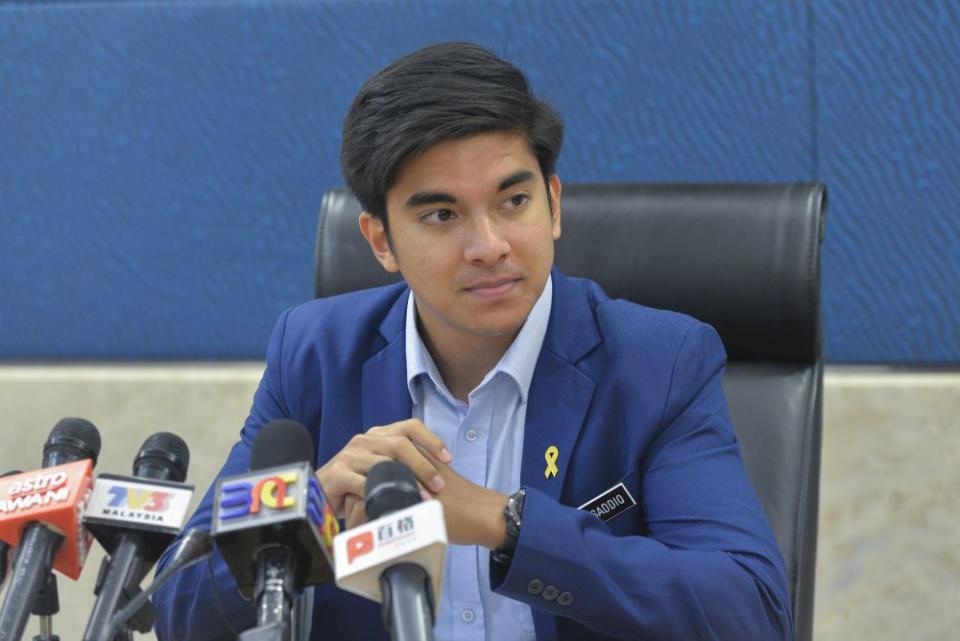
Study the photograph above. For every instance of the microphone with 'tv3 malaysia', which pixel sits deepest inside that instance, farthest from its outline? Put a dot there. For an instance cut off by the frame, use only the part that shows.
(274, 527)
(397, 557)
(40, 514)
(135, 518)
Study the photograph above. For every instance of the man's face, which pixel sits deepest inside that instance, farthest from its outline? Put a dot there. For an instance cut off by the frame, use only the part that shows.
(472, 233)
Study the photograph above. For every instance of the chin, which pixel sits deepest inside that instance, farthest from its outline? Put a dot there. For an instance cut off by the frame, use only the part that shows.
(492, 329)
(491, 333)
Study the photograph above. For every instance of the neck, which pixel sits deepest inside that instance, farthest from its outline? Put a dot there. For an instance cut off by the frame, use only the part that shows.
(463, 361)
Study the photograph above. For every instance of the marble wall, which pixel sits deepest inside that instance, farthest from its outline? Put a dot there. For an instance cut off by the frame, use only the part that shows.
(889, 558)
(889, 550)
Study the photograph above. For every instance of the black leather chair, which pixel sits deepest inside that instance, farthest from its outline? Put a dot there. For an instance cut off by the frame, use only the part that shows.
(744, 258)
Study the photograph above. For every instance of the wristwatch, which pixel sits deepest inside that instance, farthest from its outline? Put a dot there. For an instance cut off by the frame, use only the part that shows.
(512, 513)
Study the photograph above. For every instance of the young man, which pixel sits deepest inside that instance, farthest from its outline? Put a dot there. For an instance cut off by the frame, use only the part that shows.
(514, 393)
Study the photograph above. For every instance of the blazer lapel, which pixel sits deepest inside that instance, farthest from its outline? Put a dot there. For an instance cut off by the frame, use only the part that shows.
(384, 393)
(560, 393)
(560, 396)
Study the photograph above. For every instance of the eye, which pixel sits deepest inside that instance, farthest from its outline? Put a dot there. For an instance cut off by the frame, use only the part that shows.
(437, 216)
(518, 200)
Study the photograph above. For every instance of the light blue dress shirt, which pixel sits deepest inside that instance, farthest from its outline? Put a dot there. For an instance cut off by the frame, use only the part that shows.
(485, 437)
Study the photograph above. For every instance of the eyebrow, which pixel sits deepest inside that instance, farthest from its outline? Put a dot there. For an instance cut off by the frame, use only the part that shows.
(428, 198)
(515, 179)
(421, 198)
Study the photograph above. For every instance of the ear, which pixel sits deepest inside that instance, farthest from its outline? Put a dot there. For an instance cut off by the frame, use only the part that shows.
(555, 189)
(372, 229)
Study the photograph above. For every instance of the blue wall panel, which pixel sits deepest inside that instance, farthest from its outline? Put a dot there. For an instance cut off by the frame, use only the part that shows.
(161, 164)
(888, 84)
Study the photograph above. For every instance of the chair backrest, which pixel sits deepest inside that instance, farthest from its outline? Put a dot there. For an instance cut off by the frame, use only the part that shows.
(744, 258)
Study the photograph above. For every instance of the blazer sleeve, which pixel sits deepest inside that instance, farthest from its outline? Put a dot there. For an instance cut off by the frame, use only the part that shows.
(709, 566)
(201, 602)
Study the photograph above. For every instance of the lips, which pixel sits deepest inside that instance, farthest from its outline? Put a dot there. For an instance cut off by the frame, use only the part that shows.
(493, 288)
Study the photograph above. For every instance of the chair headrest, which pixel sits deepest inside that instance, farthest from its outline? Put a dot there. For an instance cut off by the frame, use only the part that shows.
(744, 258)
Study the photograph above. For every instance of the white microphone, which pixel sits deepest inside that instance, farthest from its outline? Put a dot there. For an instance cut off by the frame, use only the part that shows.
(398, 557)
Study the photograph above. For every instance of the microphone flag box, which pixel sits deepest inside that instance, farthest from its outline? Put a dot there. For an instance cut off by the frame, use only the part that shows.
(154, 508)
(282, 504)
(55, 496)
(416, 534)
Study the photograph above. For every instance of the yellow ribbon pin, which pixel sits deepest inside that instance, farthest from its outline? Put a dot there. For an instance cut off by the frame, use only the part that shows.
(551, 456)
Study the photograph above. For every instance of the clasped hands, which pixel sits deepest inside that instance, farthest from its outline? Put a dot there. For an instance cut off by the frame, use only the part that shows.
(473, 514)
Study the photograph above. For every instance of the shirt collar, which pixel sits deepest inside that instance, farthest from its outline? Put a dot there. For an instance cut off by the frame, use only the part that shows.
(518, 362)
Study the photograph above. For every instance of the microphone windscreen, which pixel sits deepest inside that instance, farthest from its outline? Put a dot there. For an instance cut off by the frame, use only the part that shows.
(281, 442)
(71, 439)
(390, 486)
(163, 456)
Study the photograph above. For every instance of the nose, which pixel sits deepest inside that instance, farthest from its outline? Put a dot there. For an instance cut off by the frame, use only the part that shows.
(486, 243)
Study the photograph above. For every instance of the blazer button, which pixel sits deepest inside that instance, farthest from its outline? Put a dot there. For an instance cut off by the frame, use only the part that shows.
(565, 599)
(550, 593)
(535, 587)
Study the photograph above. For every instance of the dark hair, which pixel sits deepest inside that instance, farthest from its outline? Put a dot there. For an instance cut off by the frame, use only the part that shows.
(438, 93)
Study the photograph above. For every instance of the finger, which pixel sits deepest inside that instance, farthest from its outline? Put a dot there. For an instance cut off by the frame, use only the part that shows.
(338, 481)
(432, 443)
(360, 454)
(404, 450)
(391, 442)
(366, 450)
(424, 494)
(360, 461)
(356, 513)
(415, 430)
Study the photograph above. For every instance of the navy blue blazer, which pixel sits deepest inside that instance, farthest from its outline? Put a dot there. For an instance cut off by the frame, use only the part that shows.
(626, 394)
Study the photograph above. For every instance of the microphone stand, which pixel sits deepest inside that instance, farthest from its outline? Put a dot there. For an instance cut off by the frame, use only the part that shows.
(46, 604)
(274, 594)
(38, 546)
(195, 545)
(407, 602)
(120, 591)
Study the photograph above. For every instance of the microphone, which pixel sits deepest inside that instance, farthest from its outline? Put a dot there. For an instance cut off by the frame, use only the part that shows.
(273, 525)
(40, 513)
(194, 546)
(135, 519)
(4, 546)
(397, 557)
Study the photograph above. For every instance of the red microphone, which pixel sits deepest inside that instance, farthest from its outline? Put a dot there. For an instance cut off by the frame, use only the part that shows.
(41, 514)
(55, 497)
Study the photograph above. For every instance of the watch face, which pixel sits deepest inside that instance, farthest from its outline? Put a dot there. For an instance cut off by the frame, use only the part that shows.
(514, 511)
(517, 503)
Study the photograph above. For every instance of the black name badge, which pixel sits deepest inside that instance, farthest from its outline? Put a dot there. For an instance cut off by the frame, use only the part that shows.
(610, 504)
